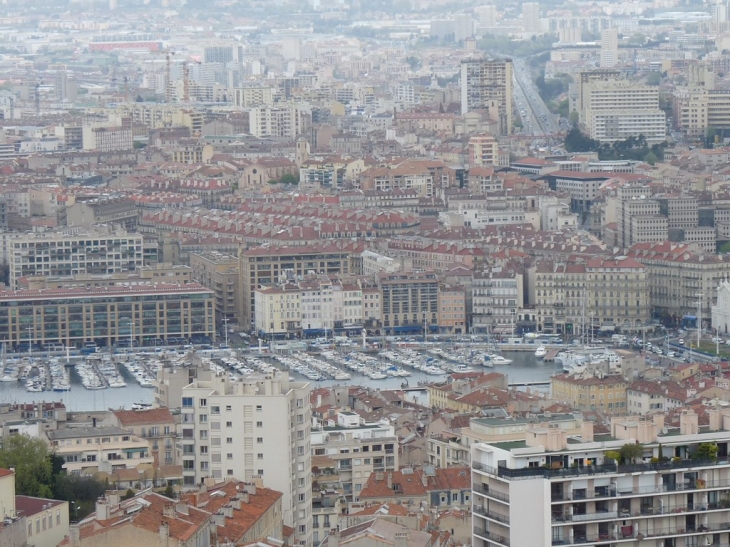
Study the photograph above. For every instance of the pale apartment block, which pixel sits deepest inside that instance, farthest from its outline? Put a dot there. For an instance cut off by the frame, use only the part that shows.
(258, 428)
(66, 254)
(358, 449)
(570, 493)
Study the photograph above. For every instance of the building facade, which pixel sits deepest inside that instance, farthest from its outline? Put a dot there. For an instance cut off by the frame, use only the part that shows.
(257, 428)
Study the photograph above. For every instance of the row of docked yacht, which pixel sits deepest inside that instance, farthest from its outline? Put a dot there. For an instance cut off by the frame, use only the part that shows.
(142, 372)
(60, 378)
(575, 361)
(370, 366)
(311, 367)
(409, 358)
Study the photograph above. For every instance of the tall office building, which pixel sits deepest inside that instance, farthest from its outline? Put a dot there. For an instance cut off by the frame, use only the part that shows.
(255, 428)
(531, 18)
(616, 109)
(487, 84)
(609, 48)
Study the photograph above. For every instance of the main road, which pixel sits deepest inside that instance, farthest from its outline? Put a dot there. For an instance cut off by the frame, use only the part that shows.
(535, 114)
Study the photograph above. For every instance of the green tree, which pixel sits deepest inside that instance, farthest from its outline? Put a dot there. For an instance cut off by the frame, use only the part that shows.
(32, 463)
(289, 179)
(169, 492)
(128, 494)
(706, 451)
(651, 158)
(576, 141)
(630, 452)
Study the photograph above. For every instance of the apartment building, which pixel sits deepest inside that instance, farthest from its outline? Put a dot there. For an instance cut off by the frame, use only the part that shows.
(256, 428)
(487, 84)
(107, 449)
(68, 253)
(483, 151)
(582, 187)
(253, 96)
(572, 298)
(591, 392)
(496, 297)
(546, 490)
(452, 309)
(277, 121)
(356, 448)
(409, 301)
(156, 425)
(680, 277)
(263, 266)
(107, 139)
(117, 210)
(617, 109)
(219, 272)
(106, 315)
(279, 310)
(699, 109)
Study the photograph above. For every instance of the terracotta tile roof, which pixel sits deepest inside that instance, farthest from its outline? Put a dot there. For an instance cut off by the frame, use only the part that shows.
(128, 418)
(28, 505)
(6, 472)
(410, 483)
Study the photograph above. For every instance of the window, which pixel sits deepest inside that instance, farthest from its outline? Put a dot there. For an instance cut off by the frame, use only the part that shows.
(229, 472)
(215, 409)
(229, 440)
(259, 424)
(259, 456)
(302, 498)
(187, 402)
(204, 449)
(203, 418)
(229, 456)
(228, 408)
(229, 424)
(261, 472)
(259, 408)
(259, 440)
(203, 402)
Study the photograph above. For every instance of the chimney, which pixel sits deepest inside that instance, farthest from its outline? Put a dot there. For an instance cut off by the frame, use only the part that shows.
(74, 535)
(219, 519)
(390, 481)
(715, 419)
(169, 511)
(401, 539)
(586, 431)
(243, 496)
(251, 488)
(227, 510)
(164, 534)
(112, 497)
(424, 479)
(688, 422)
(235, 502)
(333, 539)
(102, 509)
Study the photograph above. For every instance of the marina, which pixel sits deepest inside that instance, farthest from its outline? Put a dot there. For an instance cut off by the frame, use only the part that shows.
(103, 380)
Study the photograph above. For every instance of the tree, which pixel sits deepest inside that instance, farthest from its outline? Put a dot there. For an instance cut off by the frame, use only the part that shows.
(576, 141)
(289, 179)
(706, 451)
(128, 494)
(169, 492)
(32, 463)
(651, 158)
(631, 452)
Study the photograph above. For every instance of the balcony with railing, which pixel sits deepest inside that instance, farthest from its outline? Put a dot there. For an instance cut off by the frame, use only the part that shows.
(571, 472)
(633, 532)
(478, 509)
(486, 491)
(582, 517)
(491, 537)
